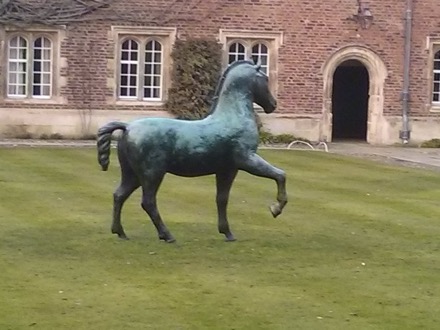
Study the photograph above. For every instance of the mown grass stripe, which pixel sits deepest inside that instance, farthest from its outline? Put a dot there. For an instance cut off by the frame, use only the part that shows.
(357, 247)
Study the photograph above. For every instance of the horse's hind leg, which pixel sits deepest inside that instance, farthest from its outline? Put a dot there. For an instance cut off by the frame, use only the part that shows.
(149, 204)
(129, 183)
(224, 183)
(126, 187)
(256, 165)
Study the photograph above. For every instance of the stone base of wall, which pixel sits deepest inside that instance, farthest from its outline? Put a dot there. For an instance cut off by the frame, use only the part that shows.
(43, 123)
(421, 129)
(64, 123)
(386, 132)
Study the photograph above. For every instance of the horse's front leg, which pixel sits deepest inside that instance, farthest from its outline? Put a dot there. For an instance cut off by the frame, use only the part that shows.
(224, 182)
(256, 165)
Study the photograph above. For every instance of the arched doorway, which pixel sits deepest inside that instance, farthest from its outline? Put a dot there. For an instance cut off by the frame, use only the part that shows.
(350, 101)
(375, 75)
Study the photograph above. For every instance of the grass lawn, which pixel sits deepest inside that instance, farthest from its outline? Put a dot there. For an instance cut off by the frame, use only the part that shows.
(357, 247)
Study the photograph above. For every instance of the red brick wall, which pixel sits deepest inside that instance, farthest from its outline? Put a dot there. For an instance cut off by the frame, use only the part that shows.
(87, 50)
(313, 31)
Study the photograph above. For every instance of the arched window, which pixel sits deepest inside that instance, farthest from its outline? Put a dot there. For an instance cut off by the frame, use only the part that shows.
(436, 80)
(236, 52)
(30, 63)
(17, 66)
(128, 80)
(143, 63)
(257, 46)
(261, 53)
(153, 70)
(42, 68)
(141, 75)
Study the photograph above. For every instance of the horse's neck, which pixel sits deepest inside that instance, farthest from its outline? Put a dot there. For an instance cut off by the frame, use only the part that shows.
(234, 104)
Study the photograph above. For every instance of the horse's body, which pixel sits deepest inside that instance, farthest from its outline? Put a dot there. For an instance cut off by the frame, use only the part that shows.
(185, 148)
(222, 143)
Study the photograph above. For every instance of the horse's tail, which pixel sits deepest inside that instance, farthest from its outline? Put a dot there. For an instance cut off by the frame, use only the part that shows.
(104, 142)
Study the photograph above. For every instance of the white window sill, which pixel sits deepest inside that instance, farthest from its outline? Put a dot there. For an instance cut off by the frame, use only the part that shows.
(26, 100)
(146, 103)
(434, 107)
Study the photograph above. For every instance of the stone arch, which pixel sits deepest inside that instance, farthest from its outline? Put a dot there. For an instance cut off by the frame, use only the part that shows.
(377, 74)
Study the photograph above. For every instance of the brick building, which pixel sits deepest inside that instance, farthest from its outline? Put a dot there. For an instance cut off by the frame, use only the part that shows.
(339, 68)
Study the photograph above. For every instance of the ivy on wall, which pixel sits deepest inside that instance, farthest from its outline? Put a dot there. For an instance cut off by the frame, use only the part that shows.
(196, 70)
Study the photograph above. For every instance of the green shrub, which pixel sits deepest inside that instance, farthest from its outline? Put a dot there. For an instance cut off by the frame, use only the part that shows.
(269, 138)
(433, 143)
(88, 136)
(265, 137)
(196, 70)
(18, 132)
(284, 138)
(52, 136)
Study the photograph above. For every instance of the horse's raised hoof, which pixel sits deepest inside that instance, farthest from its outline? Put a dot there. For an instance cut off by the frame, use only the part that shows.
(275, 210)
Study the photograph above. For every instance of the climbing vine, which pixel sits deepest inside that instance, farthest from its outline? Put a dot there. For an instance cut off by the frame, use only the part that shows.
(196, 70)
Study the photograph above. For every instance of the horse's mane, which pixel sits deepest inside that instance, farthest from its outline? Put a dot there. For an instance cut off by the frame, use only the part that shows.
(222, 81)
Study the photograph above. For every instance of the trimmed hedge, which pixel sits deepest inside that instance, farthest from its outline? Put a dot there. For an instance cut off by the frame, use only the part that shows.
(269, 138)
(196, 70)
(433, 143)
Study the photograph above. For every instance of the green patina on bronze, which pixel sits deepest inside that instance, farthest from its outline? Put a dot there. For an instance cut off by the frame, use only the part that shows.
(222, 143)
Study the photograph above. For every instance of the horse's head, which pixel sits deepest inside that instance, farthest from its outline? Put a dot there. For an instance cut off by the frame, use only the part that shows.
(262, 94)
(245, 76)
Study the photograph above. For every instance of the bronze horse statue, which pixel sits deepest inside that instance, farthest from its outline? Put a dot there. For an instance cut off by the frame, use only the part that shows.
(222, 143)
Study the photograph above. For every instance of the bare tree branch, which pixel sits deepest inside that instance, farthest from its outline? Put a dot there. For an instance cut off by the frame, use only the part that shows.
(64, 12)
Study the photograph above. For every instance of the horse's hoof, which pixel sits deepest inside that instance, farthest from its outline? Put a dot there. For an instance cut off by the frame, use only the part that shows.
(230, 238)
(275, 210)
(123, 236)
(167, 238)
(120, 234)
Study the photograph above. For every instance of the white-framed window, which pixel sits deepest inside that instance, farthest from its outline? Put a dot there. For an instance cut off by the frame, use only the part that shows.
(432, 103)
(141, 70)
(436, 78)
(260, 46)
(236, 52)
(257, 50)
(142, 63)
(29, 66)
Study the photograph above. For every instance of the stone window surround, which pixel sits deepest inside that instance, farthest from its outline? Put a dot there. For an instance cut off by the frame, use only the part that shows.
(273, 41)
(165, 35)
(432, 46)
(56, 36)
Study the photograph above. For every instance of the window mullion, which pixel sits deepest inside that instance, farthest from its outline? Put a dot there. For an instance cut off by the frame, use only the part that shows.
(435, 95)
(51, 61)
(141, 70)
(30, 68)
